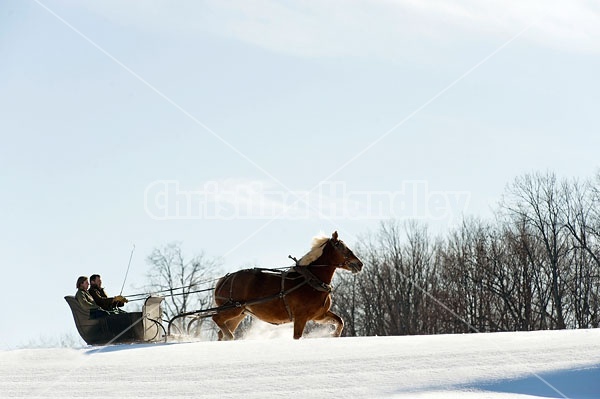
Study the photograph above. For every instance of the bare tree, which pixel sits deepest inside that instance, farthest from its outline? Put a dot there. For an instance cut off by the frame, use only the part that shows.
(389, 296)
(464, 272)
(579, 214)
(186, 284)
(536, 199)
(514, 279)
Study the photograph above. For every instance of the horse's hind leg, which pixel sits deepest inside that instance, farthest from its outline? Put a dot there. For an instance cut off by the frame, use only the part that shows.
(334, 319)
(233, 324)
(228, 322)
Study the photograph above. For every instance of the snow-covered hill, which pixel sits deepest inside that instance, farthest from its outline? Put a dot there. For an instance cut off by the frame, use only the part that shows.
(501, 365)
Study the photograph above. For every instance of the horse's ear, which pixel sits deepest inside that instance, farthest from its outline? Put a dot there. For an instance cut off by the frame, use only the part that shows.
(334, 236)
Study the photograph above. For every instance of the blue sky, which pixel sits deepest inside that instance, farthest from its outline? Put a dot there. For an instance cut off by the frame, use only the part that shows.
(262, 101)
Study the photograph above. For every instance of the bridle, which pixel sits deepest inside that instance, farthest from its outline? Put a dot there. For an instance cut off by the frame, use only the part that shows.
(346, 264)
(311, 279)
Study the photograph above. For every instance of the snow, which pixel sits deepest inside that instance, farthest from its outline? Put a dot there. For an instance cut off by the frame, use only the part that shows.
(500, 365)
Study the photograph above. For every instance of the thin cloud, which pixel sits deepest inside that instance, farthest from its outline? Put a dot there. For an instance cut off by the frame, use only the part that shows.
(384, 29)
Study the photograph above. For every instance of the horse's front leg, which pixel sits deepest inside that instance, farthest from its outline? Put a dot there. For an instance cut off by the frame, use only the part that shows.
(334, 319)
(299, 324)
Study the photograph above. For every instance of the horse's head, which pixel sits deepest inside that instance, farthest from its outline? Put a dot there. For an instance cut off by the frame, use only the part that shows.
(343, 255)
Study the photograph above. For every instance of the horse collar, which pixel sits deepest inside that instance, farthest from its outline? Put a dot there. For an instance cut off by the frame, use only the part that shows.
(313, 280)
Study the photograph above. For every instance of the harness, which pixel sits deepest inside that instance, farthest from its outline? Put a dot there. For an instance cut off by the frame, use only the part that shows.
(306, 276)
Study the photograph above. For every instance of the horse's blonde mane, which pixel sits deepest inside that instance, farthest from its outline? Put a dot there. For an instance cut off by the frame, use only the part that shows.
(315, 252)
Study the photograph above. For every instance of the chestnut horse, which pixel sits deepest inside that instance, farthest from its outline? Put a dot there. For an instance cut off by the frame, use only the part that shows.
(299, 294)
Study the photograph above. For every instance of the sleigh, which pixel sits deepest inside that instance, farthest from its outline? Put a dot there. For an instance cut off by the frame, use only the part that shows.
(132, 327)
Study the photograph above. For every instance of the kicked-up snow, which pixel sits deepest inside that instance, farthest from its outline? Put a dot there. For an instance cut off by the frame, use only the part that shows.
(500, 365)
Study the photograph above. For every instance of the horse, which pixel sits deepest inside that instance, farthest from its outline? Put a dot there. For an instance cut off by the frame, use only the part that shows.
(298, 294)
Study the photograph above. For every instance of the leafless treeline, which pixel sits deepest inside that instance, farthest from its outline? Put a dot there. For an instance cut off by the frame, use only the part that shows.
(536, 266)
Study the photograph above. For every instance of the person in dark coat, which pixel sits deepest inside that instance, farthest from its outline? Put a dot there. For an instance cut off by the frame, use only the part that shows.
(103, 300)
